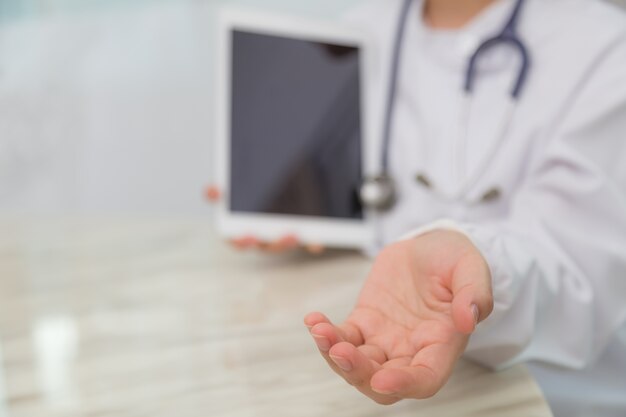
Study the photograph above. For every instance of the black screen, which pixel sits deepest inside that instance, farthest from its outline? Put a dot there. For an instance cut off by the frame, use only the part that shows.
(295, 127)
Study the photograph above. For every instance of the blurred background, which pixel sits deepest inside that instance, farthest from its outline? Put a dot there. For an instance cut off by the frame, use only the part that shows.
(106, 105)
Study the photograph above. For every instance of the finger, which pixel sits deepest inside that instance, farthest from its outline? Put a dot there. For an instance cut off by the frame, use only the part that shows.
(346, 331)
(472, 294)
(213, 194)
(335, 334)
(244, 243)
(315, 249)
(357, 369)
(351, 333)
(326, 336)
(373, 352)
(423, 378)
(398, 362)
(314, 318)
(281, 245)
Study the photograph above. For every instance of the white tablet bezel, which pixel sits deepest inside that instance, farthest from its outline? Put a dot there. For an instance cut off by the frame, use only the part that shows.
(346, 233)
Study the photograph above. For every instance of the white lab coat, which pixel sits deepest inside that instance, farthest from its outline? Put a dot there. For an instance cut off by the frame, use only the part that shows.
(556, 239)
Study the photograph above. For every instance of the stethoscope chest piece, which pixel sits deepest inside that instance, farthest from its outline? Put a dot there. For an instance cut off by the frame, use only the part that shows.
(378, 193)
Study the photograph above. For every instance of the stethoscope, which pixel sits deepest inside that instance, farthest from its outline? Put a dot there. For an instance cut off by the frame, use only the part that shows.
(378, 193)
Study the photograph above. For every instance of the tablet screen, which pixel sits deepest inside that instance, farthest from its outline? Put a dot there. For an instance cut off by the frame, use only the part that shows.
(295, 127)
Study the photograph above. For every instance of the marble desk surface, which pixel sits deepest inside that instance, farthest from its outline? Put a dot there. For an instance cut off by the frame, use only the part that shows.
(137, 317)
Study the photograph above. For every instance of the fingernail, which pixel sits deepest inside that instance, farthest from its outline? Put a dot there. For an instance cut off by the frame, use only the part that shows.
(290, 240)
(475, 313)
(343, 363)
(315, 249)
(322, 342)
(383, 392)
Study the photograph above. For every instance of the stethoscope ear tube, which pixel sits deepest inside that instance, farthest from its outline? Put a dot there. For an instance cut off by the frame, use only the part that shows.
(522, 75)
(378, 193)
(392, 88)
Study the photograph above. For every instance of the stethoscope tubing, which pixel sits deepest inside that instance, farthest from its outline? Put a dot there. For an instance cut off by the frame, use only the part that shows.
(393, 84)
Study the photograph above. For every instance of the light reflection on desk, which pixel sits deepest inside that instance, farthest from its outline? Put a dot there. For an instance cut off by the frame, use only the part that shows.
(55, 340)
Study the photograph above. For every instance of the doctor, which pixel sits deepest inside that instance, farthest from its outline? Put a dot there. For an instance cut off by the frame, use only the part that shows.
(510, 221)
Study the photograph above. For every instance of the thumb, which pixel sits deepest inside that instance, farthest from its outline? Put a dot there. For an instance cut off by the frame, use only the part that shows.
(472, 300)
(213, 193)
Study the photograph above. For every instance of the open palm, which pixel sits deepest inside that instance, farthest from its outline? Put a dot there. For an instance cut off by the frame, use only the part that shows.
(411, 323)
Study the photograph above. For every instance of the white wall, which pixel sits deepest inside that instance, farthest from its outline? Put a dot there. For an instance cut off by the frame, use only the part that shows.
(110, 108)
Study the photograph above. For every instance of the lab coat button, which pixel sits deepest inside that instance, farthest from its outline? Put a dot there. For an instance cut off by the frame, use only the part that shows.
(423, 180)
(491, 195)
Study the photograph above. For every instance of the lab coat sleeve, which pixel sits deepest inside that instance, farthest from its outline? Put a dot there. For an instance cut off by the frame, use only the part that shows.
(558, 260)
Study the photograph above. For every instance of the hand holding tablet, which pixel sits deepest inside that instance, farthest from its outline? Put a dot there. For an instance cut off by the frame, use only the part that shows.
(283, 244)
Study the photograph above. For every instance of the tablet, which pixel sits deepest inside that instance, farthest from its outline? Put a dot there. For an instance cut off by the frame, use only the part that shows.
(291, 134)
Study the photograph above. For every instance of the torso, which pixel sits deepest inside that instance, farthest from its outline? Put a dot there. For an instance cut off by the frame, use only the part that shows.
(429, 107)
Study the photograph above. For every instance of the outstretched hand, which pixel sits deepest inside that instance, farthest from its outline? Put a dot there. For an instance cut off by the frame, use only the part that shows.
(412, 320)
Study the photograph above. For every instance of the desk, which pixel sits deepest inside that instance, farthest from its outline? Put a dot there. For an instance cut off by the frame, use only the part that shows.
(154, 318)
